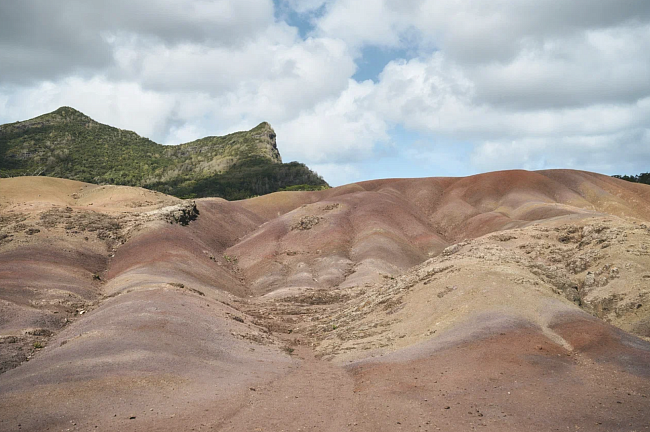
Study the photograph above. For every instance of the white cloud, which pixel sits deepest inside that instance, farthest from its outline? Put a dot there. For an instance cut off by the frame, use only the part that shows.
(188, 89)
(341, 129)
(437, 96)
(359, 22)
(531, 84)
(50, 40)
(273, 77)
(525, 84)
(337, 174)
(105, 101)
(626, 151)
(598, 66)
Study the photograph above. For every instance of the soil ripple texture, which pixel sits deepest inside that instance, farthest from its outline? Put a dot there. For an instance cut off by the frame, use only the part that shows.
(505, 301)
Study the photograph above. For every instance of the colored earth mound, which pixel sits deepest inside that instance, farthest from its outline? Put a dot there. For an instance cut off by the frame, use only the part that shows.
(505, 301)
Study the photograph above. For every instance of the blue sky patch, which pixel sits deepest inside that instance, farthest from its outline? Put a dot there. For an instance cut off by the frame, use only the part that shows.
(373, 60)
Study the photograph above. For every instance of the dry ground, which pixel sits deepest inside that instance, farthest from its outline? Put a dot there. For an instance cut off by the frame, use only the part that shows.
(506, 301)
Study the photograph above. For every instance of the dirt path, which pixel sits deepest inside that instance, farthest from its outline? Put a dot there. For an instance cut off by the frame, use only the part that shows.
(318, 395)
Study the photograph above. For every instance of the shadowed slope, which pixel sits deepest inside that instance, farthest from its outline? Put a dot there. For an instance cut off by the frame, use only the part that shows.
(191, 255)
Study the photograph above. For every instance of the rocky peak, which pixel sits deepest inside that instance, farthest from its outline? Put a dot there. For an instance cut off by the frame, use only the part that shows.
(266, 136)
(66, 114)
(61, 115)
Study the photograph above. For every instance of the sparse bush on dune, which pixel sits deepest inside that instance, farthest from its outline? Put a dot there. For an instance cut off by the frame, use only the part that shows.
(640, 178)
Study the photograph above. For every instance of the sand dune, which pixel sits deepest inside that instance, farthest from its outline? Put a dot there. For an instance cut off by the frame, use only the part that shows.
(504, 301)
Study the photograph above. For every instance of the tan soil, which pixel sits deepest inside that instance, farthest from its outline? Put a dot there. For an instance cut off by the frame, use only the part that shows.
(506, 301)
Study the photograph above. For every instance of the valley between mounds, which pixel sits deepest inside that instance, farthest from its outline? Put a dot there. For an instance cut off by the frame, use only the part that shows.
(506, 301)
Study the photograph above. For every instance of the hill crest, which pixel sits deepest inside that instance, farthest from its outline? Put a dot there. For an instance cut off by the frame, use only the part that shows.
(68, 144)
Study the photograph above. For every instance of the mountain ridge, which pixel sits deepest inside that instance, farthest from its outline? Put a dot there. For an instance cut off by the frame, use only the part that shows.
(69, 144)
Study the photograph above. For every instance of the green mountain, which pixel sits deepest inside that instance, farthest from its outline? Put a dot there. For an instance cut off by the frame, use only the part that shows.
(68, 144)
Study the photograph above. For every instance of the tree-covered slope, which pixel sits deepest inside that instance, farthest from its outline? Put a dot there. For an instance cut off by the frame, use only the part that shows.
(68, 144)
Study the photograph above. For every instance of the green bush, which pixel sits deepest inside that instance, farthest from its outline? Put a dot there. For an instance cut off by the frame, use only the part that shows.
(641, 178)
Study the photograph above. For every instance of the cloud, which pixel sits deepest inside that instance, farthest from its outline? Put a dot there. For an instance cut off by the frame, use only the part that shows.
(105, 101)
(626, 151)
(359, 22)
(337, 174)
(274, 76)
(530, 84)
(598, 66)
(340, 130)
(47, 40)
(437, 98)
(526, 54)
(303, 6)
(489, 84)
(211, 67)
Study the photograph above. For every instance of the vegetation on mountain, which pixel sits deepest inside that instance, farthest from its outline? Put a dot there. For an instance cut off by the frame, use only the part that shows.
(641, 178)
(248, 177)
(69, 144)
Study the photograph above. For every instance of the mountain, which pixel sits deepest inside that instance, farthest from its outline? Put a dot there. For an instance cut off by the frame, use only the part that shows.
(506, 301)
(68, 144)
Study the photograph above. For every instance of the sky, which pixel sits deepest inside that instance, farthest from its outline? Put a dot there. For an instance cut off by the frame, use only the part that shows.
(356, 89)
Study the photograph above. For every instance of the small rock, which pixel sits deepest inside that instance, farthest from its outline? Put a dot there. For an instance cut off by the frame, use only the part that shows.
(590, 280)
(451, 250)
(306, 223)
